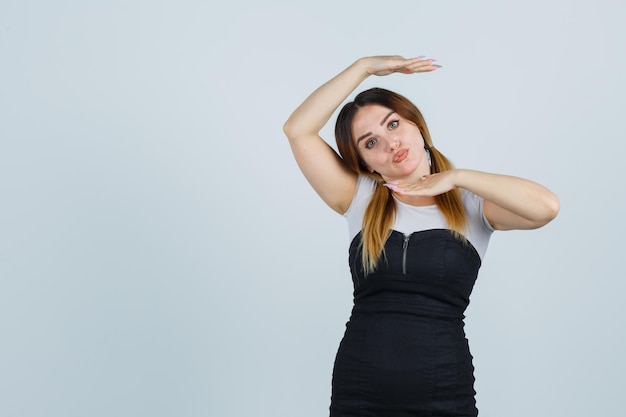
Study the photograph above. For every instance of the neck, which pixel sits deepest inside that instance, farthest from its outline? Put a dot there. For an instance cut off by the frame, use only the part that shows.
(414, 200)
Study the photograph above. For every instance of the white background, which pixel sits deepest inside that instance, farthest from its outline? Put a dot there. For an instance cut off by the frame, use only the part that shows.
(162, 255)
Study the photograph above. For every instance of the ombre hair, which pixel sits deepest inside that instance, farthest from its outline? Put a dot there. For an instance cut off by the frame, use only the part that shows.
(380, 213)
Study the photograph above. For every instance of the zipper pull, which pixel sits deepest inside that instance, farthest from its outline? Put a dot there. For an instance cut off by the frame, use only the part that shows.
(405, 246)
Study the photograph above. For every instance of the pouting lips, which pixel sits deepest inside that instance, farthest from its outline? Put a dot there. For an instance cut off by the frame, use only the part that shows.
(400, 156)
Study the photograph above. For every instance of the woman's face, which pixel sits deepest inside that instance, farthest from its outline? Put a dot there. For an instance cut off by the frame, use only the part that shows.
(388, 143)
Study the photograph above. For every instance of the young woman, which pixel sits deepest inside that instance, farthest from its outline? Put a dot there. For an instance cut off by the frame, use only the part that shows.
(420, 229)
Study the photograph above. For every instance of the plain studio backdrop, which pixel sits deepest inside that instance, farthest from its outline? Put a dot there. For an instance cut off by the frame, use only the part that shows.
(162, 255)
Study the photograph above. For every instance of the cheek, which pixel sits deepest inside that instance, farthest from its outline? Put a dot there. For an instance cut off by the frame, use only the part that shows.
(373, 158)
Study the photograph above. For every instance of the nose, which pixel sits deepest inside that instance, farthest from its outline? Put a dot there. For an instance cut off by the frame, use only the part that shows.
(394, 144)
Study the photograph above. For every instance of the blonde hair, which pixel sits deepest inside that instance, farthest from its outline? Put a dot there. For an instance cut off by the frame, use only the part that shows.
(380, 213)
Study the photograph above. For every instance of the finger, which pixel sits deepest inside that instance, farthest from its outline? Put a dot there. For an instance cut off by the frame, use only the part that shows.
(407, 63)
(427, 65)
(394, 188)
(416, 59)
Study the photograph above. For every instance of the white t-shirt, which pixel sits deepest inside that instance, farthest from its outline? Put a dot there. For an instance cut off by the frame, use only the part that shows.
(411, 219)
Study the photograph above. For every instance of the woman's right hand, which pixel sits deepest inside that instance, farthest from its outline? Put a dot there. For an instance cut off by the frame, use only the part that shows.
(385, 65)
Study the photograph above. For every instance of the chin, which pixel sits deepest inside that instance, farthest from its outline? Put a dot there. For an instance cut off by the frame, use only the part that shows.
(408, 169)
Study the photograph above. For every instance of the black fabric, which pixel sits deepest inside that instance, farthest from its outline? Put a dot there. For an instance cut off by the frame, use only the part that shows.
(404, 352)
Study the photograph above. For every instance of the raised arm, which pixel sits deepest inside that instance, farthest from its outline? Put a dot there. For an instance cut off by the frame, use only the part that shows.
(320, 164)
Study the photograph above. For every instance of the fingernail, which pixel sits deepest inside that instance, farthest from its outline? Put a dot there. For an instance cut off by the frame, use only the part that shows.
(436, 66)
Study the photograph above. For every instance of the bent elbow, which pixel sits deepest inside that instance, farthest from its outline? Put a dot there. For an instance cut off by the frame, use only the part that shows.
(287, 128)
(291, 130)
(296, 131)
(555, 205)
(552, 208)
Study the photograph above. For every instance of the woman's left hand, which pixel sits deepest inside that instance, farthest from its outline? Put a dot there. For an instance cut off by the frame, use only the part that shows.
(425, 186)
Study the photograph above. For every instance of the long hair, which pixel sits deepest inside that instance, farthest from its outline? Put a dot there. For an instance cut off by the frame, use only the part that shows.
(380, 213)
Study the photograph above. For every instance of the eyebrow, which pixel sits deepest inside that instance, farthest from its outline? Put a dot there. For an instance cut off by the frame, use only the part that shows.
(369, 133)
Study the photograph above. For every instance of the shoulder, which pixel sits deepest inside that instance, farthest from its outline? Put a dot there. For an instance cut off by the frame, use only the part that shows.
(473, 205)
(362, 196)
(365, 187)
(470, 199)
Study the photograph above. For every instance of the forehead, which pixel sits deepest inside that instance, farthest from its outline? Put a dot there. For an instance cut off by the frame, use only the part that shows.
(368, 117)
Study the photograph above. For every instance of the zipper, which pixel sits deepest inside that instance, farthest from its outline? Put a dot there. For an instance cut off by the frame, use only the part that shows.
(405, 246)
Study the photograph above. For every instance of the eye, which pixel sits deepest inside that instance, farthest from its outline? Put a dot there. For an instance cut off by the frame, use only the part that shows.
(370, 143)
(393, 124)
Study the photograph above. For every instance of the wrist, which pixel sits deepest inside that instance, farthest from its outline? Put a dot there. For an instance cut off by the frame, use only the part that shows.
(362, 65)
(459, 177)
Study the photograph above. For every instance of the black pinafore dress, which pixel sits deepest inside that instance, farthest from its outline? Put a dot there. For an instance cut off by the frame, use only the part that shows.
(404, 352)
